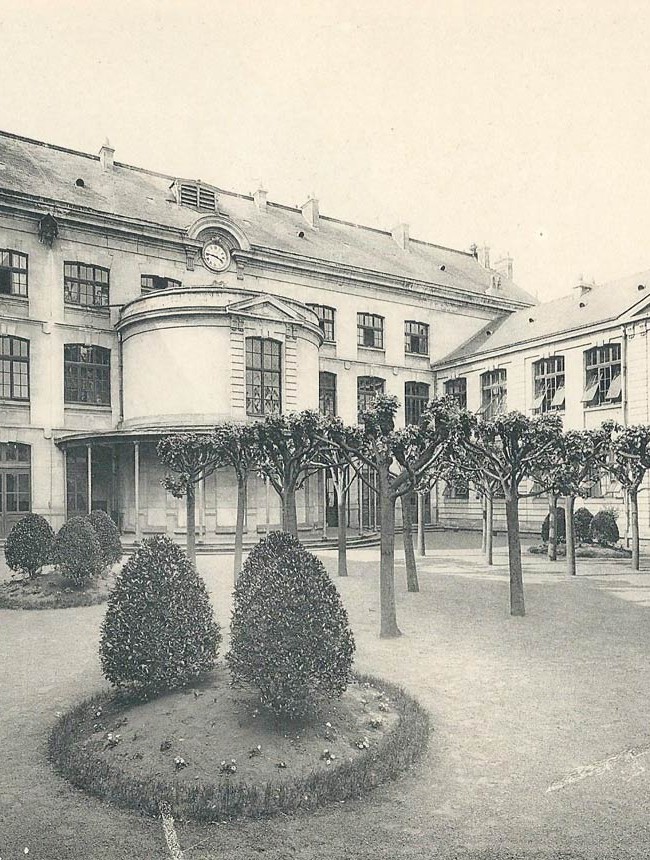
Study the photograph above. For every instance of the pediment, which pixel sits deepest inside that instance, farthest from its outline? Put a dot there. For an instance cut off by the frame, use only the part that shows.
(269, 307)
(640, 309)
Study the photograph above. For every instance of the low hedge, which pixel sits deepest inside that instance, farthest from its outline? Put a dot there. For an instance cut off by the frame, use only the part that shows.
(206, 801)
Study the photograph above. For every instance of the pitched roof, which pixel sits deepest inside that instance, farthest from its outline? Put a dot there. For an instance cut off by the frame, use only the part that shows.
(601, 304)
(50, 172)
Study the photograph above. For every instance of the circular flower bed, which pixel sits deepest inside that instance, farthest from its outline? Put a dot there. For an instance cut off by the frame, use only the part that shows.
(212, 753)
(51, 590)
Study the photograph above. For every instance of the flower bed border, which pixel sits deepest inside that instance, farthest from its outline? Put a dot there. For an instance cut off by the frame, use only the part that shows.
(63, 600)
(397, 751)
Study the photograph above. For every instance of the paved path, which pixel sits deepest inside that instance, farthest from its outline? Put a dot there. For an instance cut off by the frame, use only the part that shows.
(541, 745)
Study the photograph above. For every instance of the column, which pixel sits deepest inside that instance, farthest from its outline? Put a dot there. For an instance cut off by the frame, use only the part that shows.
(89, 476)
(324, 474)
(65, 485)
(136, 486)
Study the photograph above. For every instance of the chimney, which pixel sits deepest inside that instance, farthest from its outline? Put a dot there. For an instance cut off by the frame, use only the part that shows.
(504, 266)
(400, 234)
(484, 256)
(495, 283)
(582, 287)
(259, 197)
(310, 211)
(106, 154)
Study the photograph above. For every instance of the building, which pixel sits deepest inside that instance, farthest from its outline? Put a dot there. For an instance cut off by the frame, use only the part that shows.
(584, 356)
(133, 304)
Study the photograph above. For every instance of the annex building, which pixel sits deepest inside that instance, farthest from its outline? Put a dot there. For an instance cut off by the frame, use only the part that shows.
(133, 304)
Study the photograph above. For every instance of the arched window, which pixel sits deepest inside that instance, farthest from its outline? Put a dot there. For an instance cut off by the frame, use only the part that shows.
(416, 397)
(14, 368)
(327, 392)
(263, 376)
(457, 388)
(87, 374)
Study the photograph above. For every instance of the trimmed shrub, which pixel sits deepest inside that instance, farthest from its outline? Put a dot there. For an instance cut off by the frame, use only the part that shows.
(582, 519)
(560, 528)
(77, 551)
(108, 535)
(290, 636)
(29, 545)
(159, 631)
(603, 529)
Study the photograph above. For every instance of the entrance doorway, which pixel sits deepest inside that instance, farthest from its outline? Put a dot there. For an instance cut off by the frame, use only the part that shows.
(15, 484)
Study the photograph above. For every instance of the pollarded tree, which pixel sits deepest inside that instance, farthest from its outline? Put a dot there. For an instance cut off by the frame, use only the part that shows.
(287, 450)
(234, 445)
(400, 458)
(508, 449)
(570, 469)
(343, 470)
(191, 457)
(628, 464)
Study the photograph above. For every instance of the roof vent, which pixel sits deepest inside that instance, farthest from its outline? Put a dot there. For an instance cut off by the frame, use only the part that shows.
(582, 305)
(443, 267)
(583, 287)
(301, 234)
(531, 319)
(195, 195)
(80, 183)
(641, 287)
(488, 332)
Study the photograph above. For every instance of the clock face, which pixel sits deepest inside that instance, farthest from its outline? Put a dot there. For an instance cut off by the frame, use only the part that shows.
(215, 256)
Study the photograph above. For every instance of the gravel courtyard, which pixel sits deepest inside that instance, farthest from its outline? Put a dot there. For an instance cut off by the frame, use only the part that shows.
(540, 747)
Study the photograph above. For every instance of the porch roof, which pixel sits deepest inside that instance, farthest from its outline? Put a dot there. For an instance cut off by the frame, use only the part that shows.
(126, 434)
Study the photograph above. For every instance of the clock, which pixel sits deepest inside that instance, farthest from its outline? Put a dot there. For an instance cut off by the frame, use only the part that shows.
(216, 256)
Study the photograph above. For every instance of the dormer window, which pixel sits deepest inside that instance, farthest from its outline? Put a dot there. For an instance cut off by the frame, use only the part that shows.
(196, 195)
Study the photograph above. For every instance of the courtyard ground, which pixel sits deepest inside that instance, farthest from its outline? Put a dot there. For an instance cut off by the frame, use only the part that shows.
(540, 745)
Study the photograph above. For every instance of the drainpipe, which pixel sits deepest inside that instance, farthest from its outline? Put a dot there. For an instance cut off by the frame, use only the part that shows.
(120, 370)
(624, 396)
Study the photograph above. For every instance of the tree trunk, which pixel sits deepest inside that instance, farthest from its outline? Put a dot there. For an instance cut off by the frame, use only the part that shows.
(552, 527)
(407, 537)
(239, 527)
(342, 530)
(634, 517)
(389, 628)
(570, 535)
(190, 516)
(422, 541)
(517, 606)
(484, 525)
(289, 515)
(489, 530)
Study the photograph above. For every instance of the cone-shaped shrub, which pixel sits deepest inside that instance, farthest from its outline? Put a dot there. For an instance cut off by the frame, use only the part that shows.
(77, 551)
(603, 528)
(159, 631)
(290, 636)
(29, 545)
(582, 521)
(560, 527)
(108, 535)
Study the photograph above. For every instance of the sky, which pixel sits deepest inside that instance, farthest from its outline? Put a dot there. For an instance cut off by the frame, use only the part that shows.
(523, 126)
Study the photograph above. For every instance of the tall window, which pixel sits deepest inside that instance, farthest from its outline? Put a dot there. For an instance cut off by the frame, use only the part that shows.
(13, 273)
(457, 388)
(15, 484)
(416, 338)
(325, 321)
(370, 330)
(14, 368)
(548, 377)
(87, 374)
(153, 283)
(327, 392)
(416, 397)
(368, 387)
(602, 375)
(493, 393)
(263, 376)
(85, 285)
